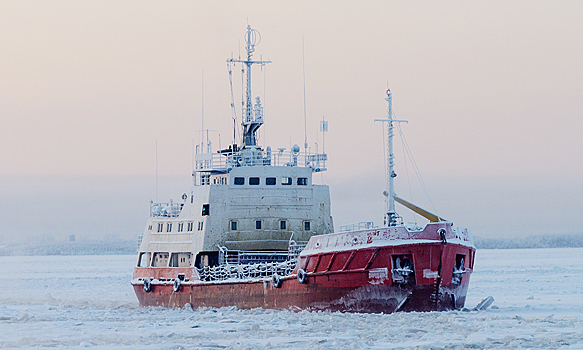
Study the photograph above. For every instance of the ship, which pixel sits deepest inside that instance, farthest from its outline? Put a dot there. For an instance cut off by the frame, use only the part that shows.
(254, 231)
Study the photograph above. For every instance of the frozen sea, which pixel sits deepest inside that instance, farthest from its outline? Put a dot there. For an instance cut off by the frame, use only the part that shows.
(68, 302)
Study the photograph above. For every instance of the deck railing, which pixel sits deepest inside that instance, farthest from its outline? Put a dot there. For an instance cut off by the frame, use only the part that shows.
(363, 225)
(242, 257)
(140, 238)
(168, 209)
(223, 162)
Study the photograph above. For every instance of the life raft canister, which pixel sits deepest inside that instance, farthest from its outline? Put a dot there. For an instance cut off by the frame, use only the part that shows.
(301, 276)
(177, 285)
(147, 285)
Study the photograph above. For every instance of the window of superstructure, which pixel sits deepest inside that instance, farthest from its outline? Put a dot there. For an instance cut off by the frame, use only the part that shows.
(283, 224)
(286, 181)
(205, 210)
(200, 225)
(160, 227)
(258, 224)
(233, 225)
(253, 181)
(190, 225)
(180, 227)
(142, 260)
(205, 179)
(302, 181)
(270, 181)
(169, 227)
(307, 226)
(239, 181)
(149, 227)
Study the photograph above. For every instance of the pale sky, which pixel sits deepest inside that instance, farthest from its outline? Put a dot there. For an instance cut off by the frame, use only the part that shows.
(492, 92)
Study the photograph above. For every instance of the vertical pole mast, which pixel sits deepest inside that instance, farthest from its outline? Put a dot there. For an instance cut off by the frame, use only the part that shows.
(392, 218)
(391, 159)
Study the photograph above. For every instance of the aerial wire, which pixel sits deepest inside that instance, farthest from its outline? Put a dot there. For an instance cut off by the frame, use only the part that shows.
(417, 172)
(156, 171)
(202, 114)
(305, 118)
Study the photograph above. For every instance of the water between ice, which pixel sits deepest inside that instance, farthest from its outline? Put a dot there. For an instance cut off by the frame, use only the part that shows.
(86, 301)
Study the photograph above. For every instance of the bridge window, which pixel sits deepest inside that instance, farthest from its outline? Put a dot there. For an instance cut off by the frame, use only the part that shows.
(286, 181)
(302, 181)
(253, 181)
(169, 227)
(160, 227)
(205, 210)
(239, 181)
(270, 181)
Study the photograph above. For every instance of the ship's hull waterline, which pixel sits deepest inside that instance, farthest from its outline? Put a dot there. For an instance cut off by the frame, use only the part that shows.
(313, 296)
(347, 280)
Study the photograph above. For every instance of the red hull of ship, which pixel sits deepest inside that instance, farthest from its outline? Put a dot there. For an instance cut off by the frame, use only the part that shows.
(348, 272)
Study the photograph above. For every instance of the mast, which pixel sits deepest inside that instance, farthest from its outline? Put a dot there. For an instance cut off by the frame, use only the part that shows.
(392, 218)
(391, 159)
(250, 122)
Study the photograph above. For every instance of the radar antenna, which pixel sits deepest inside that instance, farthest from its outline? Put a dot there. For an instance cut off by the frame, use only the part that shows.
(251, 121)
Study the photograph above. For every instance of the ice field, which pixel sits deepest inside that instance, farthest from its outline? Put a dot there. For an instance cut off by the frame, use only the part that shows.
(67, 302)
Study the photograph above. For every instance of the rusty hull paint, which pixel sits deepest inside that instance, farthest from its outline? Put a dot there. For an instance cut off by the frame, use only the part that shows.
(347, 281)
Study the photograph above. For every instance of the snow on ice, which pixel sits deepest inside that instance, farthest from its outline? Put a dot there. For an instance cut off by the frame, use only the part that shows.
(86, 301)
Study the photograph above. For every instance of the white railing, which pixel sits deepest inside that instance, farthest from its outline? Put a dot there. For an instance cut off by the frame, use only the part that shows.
(295, 248)
(225, 162)
(168, 210)
(242, 257)
(246, 271)
(363, 225)
(140, 238)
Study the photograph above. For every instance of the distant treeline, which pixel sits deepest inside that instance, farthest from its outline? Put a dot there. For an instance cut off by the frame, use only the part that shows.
(70, 248)
(129, 247)
(540, 241)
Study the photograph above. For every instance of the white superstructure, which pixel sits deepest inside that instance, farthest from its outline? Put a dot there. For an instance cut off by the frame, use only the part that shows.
(243, 198)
